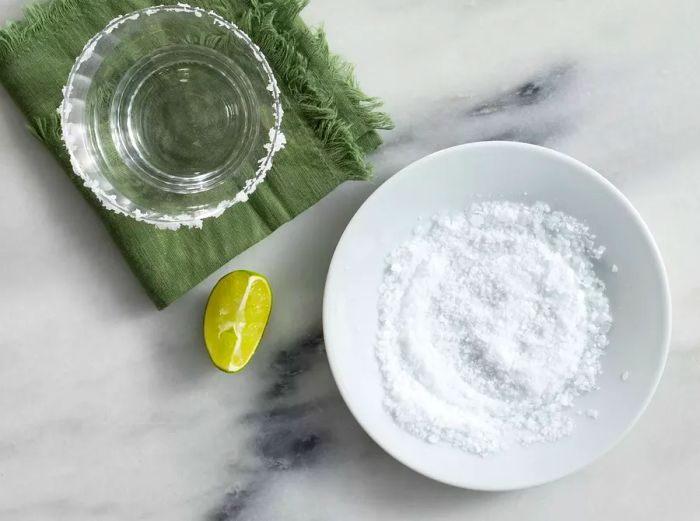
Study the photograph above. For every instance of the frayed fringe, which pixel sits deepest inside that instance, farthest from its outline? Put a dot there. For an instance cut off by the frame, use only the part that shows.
(275, 27)
(331, 102)
(36, 20)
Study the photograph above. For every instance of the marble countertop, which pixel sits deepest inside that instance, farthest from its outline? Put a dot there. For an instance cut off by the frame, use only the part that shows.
(110, 410)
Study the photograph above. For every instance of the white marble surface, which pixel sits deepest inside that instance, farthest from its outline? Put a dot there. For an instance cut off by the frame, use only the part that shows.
(110, 410)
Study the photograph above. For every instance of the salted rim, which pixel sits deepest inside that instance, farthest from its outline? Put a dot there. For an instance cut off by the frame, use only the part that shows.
(195, 218)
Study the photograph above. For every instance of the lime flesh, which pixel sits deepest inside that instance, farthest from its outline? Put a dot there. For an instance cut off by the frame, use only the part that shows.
(235, 318)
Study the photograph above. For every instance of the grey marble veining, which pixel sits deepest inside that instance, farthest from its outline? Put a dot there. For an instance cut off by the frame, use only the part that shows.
(519, 113)
(110, 410)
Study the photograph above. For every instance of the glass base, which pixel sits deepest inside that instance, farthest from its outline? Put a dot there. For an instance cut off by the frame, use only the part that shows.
(183, 117)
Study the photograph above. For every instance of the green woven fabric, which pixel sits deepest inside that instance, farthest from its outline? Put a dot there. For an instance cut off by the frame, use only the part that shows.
(330, 125)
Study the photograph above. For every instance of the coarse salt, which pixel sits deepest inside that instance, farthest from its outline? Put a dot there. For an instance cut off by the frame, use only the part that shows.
(491, 322)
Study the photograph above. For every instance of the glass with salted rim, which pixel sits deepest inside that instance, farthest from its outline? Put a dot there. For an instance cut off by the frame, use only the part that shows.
(171, 115)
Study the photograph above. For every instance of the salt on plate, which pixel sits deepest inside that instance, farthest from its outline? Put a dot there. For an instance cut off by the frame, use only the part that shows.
(491, 322)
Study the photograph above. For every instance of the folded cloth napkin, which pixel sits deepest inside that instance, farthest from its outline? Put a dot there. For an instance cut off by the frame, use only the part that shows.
(330, 126)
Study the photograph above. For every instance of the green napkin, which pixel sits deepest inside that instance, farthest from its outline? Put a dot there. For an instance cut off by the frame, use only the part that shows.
(329, 123)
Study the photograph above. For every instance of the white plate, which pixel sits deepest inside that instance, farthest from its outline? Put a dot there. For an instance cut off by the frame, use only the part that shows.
(450, 180)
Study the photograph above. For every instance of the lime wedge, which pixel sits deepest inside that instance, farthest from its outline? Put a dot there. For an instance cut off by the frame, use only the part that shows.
(235, 319)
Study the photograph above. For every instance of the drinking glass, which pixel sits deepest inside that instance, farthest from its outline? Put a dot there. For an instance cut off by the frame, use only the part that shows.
(171, 115)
